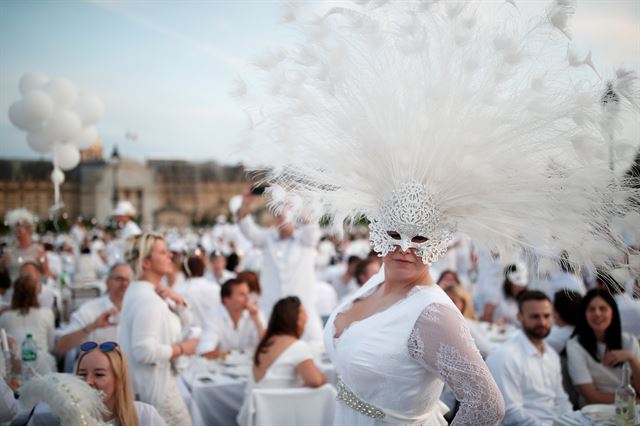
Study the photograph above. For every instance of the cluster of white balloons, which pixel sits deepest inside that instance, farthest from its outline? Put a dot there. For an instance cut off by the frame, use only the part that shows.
(58, 117)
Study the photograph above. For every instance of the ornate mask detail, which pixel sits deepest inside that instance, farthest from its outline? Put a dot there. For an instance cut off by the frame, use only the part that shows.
(409, 218)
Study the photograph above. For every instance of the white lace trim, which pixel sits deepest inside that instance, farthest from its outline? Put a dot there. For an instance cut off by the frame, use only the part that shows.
(441, 340)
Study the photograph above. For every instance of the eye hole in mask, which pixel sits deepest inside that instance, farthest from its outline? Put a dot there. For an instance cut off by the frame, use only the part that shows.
(394, 235)
(419, 239)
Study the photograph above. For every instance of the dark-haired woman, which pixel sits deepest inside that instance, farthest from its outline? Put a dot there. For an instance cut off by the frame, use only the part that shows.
(281, 359)
(27, 317)
(503, 306)
(599, 348)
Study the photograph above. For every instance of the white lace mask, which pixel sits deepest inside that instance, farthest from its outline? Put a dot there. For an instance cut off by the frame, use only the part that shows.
(408, 219)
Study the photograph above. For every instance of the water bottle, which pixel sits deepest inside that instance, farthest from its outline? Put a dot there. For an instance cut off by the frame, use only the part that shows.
(29, 358)
(625, 400)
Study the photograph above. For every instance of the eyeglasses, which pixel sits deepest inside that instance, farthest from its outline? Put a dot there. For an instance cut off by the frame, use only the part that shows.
(104, 347)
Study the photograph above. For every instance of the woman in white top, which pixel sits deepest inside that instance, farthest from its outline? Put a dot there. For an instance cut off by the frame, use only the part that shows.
(150, 329)
(281, 359)
(27, 317)
(599, 348)
(503, 306)
(104, 367)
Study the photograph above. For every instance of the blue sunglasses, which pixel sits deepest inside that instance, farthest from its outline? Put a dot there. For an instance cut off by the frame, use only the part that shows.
(104, 347)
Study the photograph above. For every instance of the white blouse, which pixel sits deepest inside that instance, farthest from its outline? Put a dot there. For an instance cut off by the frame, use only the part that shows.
(146, 331)
(584, 369)
(39, 322)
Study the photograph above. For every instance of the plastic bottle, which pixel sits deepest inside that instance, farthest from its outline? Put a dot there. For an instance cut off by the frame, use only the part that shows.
(29, 358)
(625, 400)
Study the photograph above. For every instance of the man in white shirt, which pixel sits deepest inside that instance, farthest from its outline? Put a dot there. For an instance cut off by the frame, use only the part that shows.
(96, 320)
(288, 265)
(527, 370)
(202, 295)
(237, 324)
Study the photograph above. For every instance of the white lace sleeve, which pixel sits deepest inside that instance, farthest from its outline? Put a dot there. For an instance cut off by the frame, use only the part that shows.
(441, 342)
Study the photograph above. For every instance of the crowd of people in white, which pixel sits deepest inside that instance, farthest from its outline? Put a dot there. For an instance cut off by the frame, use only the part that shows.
(171, 296)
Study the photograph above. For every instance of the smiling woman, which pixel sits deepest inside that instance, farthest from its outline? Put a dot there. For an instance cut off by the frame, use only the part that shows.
(599, 348)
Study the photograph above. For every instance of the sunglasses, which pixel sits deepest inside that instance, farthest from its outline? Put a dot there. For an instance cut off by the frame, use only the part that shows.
(104, 347)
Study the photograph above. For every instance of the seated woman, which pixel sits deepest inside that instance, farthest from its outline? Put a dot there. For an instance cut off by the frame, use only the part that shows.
(503, 306)
(599, 348)
(26, 316)
(281, 359)
(104, 368)
(462, 299)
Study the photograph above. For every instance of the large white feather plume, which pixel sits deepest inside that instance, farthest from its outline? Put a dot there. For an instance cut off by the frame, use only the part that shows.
(70, 398)
(503, 125)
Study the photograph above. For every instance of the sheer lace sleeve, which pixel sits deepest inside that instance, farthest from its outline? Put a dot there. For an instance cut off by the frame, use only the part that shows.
(441, 341)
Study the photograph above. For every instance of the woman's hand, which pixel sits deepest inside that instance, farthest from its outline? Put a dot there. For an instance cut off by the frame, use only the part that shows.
(616, 356)
(169, 293)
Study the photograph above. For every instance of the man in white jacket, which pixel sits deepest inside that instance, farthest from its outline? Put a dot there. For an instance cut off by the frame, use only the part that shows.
(288, 266)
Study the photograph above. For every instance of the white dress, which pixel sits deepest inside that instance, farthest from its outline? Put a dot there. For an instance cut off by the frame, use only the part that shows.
(282, 373)
(397, 361)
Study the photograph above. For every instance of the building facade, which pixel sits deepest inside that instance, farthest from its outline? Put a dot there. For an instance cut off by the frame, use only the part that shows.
(165, 192)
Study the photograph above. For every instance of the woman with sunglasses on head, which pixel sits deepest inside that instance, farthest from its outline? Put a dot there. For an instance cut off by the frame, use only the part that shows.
(150, 329)
(104, 367)
(599, 348)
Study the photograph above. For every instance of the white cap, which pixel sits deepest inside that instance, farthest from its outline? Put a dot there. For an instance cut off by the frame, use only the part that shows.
(124, 208)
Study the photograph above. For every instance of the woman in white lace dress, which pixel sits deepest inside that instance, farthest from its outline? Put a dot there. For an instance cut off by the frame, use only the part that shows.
(396, 341)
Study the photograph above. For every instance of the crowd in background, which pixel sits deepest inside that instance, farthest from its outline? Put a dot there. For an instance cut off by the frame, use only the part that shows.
(158, 299)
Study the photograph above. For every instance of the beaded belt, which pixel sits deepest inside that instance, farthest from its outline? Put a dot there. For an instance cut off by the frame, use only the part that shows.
(350, 399)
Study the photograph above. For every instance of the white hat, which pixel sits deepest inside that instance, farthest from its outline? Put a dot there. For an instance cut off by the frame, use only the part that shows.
(124, 208)
(518, 274)
(19, 216)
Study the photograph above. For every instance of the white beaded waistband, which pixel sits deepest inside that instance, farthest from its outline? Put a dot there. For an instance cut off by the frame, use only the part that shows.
(346, 396)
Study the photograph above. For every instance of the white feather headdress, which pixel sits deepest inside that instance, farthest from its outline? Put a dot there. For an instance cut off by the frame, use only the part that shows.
(487, 121)
(20, 216)
(70, 398)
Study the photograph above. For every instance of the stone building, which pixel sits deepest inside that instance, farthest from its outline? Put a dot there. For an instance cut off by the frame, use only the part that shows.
(165, 192)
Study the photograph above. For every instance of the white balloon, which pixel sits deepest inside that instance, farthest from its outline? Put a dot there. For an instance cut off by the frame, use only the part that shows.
(65, 156)
(86, 138)
(39, 140)
(89, 108)
(64, 125)
(37, 106)
(18, 116)
(62, 91)
(32, 81)
(57, 176)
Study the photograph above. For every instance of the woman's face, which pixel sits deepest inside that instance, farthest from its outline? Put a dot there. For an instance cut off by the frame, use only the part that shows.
(96, 370)
(599, 315)
(159, 261)
(405, 267)
(302, 320)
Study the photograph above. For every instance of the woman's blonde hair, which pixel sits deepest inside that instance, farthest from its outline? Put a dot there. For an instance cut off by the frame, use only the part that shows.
(139, 248)
(463, 294)
(125, 410)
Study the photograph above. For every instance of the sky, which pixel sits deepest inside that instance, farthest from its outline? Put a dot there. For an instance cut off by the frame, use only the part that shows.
(165, 69)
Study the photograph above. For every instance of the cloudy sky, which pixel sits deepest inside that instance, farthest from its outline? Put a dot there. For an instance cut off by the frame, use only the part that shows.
(165, 68)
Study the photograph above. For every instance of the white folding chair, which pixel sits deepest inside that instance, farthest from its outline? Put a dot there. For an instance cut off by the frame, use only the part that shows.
(297, 406)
